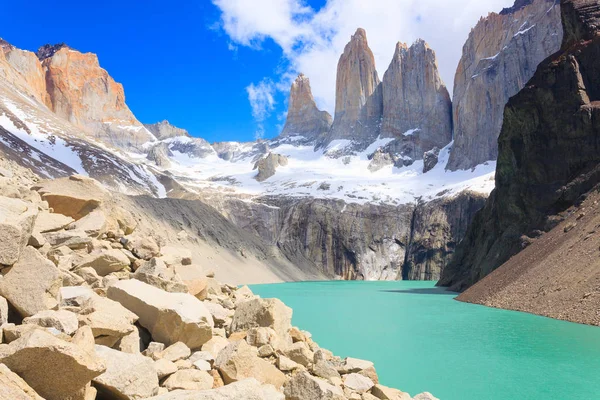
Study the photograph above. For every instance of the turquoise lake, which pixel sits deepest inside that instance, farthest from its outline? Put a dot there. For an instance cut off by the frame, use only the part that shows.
(421, 339)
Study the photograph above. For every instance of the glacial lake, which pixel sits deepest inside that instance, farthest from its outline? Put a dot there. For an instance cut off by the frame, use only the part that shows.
(421, 339)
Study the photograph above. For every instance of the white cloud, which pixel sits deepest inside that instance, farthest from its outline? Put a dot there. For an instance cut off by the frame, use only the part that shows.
(262, 101)
(312, 40)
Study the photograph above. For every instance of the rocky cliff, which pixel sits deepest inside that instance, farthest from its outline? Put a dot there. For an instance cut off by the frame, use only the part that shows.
(86, 95)
(548, 158)
(415, 100)
(164, 130)
(499, 57)
(303, 117)
(358, 95)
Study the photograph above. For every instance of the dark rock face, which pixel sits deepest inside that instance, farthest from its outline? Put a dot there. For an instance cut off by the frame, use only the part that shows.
(48, 50)
(430, 159)
(437, 227)
(548, 151)
(267, 166)
(304, 118)
(499, 57)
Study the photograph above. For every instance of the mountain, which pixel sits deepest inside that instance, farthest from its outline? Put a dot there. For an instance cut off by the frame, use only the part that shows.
(164, 130)
(417, 110)
(499, 57)
(303, 117)
(543, 211)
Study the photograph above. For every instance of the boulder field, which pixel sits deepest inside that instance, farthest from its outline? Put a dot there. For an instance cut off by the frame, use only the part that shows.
(92, 309)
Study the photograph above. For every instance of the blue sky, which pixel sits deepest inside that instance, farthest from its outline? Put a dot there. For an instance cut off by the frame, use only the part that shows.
(192, 62)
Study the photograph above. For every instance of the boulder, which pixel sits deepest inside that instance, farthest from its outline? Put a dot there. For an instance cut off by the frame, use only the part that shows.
(220, 314)
(172, 256)
(324, 369)
(17, 220)
(164, 368)
(74, 197)
(156, 273)
(248, 389)
(143, 247)
(127, 376)
(74, 239)
(108, 319)
(425, 396)
(258, 337)
(49, 222)
(105, 262)
(32, 284)
(169, 317)
(239, 361)
(54, 368)
(300, 353)
(269, 313)
(13, 387)
(194, 278)
(131, 343)
(266, 166)
(215, 345)
(94, 224)
(202, 365)
(74, 296)
(189, 379)
(355, 365)
(303, 386)
(285, 364)
(358, 382)
(3, 311)
(61, 320)
(175, 352)
(386, 393)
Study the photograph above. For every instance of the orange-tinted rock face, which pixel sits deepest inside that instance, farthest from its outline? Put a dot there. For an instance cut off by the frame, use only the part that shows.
(87, 96)
(304, 118)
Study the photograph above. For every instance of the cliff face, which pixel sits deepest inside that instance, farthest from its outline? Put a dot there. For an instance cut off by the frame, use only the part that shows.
(304, 118)
(548, 152)
(86, 95)
(415, 100)
(358, 94)
(499, 57)
(164, 130)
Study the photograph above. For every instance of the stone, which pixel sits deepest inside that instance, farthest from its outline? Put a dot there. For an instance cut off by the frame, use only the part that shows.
(303, 386)
(300, 353)
(127, 376)
(106, 262)
(32, 284)
(143, 247)
(430, 159)
(172, 256)
(62, 320)
(169, 317)
(156, 273)
(202, 365)
(49, 222)
(164, 368)
(74, 197)
(355, 365)
(17, 220)
(268, 313)
(266, 351)
(425, 396)
(189, 379)
(268, 165)
(131, 342)
(285, 364)
(324, 369)
(74, 240)
(153, 349)
(386, 393)
(94, 224)
(90, 276)
(3, 311)
(184, 364)
(248, 389)
(109, 320)
(215, 345)
(357, 382)
(175, 352)
(220, 314)
(75, 296)
(499, 58)
(35, 357)
(13, 387)
(417, 110)
(194, 279)
(239, 361)
(202, 355)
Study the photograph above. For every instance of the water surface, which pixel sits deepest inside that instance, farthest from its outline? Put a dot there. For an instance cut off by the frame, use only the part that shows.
(422, 340)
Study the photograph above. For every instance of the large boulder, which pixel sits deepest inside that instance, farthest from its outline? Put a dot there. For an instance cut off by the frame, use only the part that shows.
(13, 387)
(269, 313)
(17, 220)
(74, 197)
(170, 317)
(386, 393)
(56, 369)
(239, 361)
(105, 262)
(156, 273)
(127, 376)
(32, 284)
(93, 224)
(189, 379)
(248, 389)
(303, 386)
(49, 222)
(61, 320)
(108, 319)
(267, 166)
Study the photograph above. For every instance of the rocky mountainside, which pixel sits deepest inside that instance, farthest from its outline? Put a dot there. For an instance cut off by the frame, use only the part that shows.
(164, 130)
(303, 117)
(499, 57)
(93, 308)
(548, 165)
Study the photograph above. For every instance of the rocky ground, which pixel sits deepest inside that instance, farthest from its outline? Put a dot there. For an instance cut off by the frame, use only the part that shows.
(91, 307)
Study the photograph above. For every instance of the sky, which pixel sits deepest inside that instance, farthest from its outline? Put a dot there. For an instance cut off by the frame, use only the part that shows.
(222, 68)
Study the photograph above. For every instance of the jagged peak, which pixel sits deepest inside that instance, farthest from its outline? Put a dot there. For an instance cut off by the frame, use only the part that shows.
(360, 34)
(5, 46)
(519, 4)
(164, 129)
(48, 50)
(581, 20)
(301, 78)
